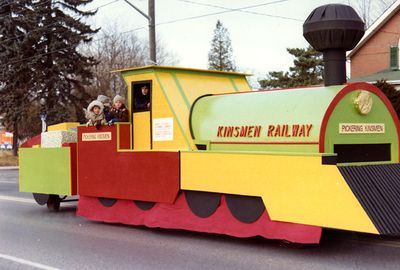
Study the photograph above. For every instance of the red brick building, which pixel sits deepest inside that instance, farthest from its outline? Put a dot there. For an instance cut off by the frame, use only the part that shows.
(376, 56)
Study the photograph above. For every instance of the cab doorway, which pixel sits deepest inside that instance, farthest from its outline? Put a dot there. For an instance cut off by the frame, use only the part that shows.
(141, 115)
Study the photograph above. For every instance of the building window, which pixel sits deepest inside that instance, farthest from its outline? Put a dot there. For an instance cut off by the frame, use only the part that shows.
(394, 58)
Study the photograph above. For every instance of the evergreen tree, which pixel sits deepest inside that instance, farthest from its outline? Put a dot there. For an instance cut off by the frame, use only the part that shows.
(61, 71)
(40, 64)
(220, 56)
(15, 47)
(307, 70)
(391, 93)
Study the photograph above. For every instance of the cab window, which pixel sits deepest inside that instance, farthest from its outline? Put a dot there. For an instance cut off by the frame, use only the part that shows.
(141, 97)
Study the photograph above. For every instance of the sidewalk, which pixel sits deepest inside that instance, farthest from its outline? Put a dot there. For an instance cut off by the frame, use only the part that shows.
(9, 167)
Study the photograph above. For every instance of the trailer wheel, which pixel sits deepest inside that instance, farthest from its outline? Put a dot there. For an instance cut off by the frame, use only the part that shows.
(53, 203)
(294, 245)
(202, 204)
(247, 209)
(107, 202)
(143, 205)
(41, 198)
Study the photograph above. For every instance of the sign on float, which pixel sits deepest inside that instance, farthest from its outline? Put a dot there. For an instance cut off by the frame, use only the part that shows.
(361, 128)
(101, 136)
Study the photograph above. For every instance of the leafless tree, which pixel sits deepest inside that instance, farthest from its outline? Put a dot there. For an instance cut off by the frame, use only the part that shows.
(114, 50)
(370, 10)
(119, 50)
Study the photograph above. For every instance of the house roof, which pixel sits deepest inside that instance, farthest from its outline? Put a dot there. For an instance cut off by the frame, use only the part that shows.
(391, 76)
(386, 16)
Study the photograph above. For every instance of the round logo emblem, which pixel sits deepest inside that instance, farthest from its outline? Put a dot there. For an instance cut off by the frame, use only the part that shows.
(363, 102)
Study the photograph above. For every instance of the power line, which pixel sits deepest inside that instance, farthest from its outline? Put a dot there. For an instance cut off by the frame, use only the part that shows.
(221, 12)
(112, 2)
(63, 48)
(162, 23)
(246, 11)
(43, 3)
(66, 47)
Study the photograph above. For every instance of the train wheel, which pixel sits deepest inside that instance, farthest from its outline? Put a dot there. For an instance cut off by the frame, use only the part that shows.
(202, 204)
(107, 201)
(41, 198)
(247, 209)
(53, 203)
(144, 205)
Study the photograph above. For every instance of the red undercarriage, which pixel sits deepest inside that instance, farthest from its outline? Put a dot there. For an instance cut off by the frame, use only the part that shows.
(179, 216)
(155, 177)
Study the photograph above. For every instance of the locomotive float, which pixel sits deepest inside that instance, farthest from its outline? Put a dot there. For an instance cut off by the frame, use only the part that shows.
(211, 155)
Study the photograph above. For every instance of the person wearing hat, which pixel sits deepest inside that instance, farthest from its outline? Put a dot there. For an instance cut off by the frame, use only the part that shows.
(118, 112)
(95, 115)
(107, 104)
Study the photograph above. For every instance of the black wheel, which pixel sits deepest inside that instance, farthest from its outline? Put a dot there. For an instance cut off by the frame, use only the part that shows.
(202, 204)
(247, 209)
(293, 245)
(53, 203)
(107, 202)
(144, 205)
(41, 198)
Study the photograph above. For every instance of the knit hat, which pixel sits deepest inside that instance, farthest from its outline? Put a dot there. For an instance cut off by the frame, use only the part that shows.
(104, 99)
(95, 103)
(119, 98)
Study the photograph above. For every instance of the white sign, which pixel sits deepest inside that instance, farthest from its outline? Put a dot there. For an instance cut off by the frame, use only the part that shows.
(361, 128)
(98, 136)
(163, 129)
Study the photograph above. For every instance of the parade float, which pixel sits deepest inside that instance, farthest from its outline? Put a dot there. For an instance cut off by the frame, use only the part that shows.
(211, 155)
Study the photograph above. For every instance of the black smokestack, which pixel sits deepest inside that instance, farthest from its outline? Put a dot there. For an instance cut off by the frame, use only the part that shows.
(333, 29)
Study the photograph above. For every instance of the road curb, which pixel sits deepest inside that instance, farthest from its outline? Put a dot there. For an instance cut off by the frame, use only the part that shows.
(9, 167)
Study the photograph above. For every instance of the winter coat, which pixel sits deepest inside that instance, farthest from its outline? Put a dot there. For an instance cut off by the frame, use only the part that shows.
(141, 102)
(106, 112)
(106, 102)
(95, 119)
(119, 115)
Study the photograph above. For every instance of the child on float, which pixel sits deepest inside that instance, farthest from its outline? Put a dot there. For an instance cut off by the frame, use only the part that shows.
(107, 106)
(118, 111)
(95, 115)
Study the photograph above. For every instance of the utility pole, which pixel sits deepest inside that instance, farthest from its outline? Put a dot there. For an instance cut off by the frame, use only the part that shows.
(152, 27)
(152, 31)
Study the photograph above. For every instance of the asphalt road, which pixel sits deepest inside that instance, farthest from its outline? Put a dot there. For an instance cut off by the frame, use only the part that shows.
(33, 238)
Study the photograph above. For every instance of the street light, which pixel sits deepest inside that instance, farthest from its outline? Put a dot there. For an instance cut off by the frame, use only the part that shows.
(152, 28)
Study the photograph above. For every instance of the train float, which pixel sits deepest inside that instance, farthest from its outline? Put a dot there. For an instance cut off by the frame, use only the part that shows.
(211, 155)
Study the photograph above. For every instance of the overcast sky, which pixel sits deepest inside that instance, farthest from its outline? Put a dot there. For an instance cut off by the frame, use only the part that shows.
(260, 35)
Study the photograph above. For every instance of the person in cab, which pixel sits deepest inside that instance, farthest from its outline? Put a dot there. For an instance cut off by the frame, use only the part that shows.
(142, 100)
